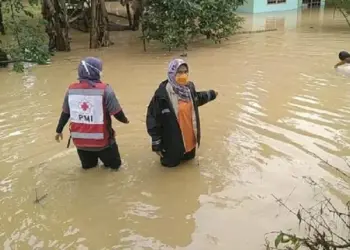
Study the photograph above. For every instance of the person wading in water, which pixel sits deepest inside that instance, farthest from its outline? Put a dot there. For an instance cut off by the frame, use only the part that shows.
(173, 118)
(89, 104)
(344, 58)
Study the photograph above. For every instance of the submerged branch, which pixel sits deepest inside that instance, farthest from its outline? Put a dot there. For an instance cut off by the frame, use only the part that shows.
(39, 199)
(321, 233)
(344, 15)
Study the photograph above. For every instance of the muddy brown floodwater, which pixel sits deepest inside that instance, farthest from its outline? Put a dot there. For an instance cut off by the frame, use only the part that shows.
(280, 102)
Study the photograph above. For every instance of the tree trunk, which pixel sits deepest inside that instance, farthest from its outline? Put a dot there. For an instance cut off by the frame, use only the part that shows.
(3, 59)
(99, 35)
(2, 27)
(129, 14)
(93, 26)
(57, 27)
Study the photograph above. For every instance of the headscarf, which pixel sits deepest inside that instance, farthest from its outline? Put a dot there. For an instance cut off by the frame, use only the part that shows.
(343, 55)
(182, 91)
(89, 70)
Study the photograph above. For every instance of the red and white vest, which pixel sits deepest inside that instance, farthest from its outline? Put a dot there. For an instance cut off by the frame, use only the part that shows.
(88, 126)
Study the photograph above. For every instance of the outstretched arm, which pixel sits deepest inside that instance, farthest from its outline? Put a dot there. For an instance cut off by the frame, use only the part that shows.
(153, 124)
(346, 60)
(203, 97)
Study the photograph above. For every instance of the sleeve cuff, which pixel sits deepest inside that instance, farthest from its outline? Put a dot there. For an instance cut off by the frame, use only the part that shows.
(156, 142)
(211, 95)
(115, 112)
(156, 145)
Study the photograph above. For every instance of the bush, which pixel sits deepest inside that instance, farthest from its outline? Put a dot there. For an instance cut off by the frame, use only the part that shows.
(28, 41)
(326, 226)
(176, 23)
(217, 19)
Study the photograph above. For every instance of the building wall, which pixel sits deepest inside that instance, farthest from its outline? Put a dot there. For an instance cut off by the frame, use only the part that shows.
(278, 20)
(281, 20)
(323, 3)
(261, 6)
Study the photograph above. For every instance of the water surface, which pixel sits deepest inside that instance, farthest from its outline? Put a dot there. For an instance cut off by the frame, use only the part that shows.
(281, 108)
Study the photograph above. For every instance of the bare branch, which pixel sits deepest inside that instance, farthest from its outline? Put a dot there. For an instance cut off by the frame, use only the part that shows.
(321, 233)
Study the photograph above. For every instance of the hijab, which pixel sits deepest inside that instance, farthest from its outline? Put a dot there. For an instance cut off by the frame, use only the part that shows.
(182, 91)
(89, 70)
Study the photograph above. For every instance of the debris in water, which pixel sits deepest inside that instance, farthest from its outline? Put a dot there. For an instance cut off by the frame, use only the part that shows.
(39, 199)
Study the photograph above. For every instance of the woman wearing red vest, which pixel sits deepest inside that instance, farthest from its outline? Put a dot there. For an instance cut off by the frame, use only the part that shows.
(89, 104)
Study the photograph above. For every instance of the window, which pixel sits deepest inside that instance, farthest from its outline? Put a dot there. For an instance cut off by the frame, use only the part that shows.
(276, 1)
(312, 3)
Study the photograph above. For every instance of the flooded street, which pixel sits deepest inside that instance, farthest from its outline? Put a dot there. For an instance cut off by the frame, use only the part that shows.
(281, 107)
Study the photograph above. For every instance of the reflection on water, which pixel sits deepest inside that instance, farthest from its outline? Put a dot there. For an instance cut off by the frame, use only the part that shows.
(281, 109)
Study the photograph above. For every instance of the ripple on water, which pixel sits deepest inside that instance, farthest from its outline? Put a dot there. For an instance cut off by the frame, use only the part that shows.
(143, 210)
(6, 185)
(281, 112)
(132, 240)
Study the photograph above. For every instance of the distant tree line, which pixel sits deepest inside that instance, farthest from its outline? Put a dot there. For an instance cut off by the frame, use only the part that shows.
(37, 28)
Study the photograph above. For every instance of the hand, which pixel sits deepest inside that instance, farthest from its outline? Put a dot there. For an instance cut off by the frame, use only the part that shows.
(339, 63)
(59, 137)
(216, 93)
(160, 153)
(127, 121)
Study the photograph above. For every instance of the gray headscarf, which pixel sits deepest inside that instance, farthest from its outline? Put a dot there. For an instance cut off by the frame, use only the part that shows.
(89, 70)
(182, 91)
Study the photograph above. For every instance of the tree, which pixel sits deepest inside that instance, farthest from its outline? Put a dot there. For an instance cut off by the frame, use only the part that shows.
(137, 8)
(217, 19)
(2, 27)
(93, 15)
(343, 6)
(99, 34)
(57, 27)
(176, 23)
(28, 42)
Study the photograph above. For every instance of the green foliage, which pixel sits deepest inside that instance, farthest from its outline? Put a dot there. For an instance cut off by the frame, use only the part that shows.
(325, 227)
(340, 4)
(287, 241)
(217, 19)
(27, 41)
(343, 6)
(176, 23)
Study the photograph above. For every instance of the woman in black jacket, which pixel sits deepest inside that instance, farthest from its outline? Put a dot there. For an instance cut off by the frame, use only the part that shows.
(173, 117)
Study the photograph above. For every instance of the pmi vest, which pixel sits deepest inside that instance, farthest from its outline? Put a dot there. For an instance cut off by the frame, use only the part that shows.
(88, 126)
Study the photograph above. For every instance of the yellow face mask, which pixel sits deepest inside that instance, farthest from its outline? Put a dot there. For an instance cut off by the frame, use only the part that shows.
(182, 79)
